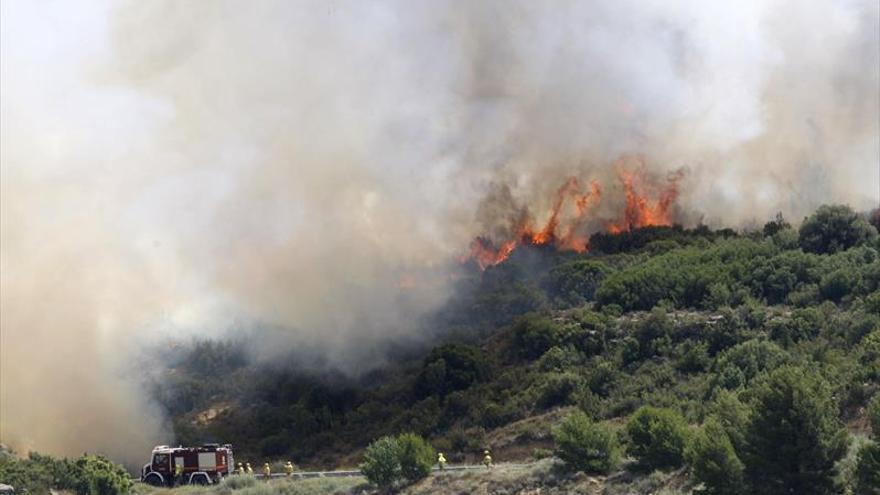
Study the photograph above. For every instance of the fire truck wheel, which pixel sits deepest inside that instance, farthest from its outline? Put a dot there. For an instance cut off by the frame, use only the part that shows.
(154, 479)
(199, 479)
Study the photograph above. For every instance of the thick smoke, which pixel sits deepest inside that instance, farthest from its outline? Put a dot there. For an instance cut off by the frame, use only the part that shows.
(170, 167)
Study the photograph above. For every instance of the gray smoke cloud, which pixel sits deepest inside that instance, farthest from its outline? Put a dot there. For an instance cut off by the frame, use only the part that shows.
(168, 167)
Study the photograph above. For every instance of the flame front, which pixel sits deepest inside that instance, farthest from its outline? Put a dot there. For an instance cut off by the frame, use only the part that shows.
(646, 204)
(640, 211)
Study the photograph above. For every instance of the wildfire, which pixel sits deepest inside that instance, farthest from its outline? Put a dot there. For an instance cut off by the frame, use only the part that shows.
(646, 203)
(640, 211)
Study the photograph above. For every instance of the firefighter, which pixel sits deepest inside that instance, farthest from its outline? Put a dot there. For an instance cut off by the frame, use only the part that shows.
(441, 461)
(267, 471)
(240, 469)
(288, 468)
(248, 468)
(178, 474)
(487, 459)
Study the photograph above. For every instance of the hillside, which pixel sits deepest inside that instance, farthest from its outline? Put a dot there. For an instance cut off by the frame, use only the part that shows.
(748, 349)
(688, 320)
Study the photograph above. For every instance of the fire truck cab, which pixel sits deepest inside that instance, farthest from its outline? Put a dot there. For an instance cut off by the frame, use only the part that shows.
(203, 465)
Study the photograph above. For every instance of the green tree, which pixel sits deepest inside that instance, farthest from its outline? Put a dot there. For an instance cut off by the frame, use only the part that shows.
(416, 456)
(451, 367)
(776, 225)
(381, 464)
(714, 461)
(574, 283)
(874, 416)
(586, 446)
(657, 437)
(834, 228)
(794, 436)
(97, 475)
(741, 364)
(868, 469)
(867, 476)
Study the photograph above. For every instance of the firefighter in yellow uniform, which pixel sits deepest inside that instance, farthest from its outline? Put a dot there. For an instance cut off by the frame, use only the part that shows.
(441, 461)
(267, 471)
(288, 468)
(240, 469)
(248, 468)
(487, 459)
(178, 474)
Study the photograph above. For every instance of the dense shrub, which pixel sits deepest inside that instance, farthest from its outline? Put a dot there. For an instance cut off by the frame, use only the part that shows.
(451, 367)
(867, 476)
(416, 456)
(559, 389)
(381, 464)
(692, 357)
(794, 436)
(586, 446)
(741, 364)
(87, 475)
(714, 461)
(874, 416)
(657, 438)
(559, 359)
(776, 225)
(535, 334)
(834, 228)
(804, 324)
(653, 334)
(572, 284)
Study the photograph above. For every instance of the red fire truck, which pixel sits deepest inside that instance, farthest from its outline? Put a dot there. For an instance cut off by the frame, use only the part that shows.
(198, 465)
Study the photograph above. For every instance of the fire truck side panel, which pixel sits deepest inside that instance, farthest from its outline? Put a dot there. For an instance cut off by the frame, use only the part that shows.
(207, 461)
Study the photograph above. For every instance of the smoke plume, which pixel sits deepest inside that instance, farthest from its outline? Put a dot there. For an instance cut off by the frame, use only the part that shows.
(170, 167)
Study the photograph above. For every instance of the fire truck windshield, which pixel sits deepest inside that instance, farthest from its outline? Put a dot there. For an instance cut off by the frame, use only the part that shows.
(160, 460)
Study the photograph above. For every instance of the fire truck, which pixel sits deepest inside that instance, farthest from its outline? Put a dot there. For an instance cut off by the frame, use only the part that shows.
(203, 465)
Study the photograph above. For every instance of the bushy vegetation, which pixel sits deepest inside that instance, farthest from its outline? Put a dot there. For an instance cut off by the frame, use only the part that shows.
(381, 464)
(657, 438)
(586, 446)
(389, 460)
(714, 461)
(86, 475)
(416, 456)
(738, 354)
(794, 437)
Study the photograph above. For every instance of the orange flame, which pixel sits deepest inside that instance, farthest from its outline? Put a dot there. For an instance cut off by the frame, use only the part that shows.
(640, 211)
(485, 253)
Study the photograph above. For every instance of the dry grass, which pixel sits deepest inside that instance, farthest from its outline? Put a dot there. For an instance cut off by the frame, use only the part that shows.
(236, 485)
(545, 478)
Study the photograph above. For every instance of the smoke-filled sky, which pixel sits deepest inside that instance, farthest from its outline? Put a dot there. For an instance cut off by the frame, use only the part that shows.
(171, 167)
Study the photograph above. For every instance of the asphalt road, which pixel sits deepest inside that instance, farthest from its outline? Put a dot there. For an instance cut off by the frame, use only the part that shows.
(338, 474)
